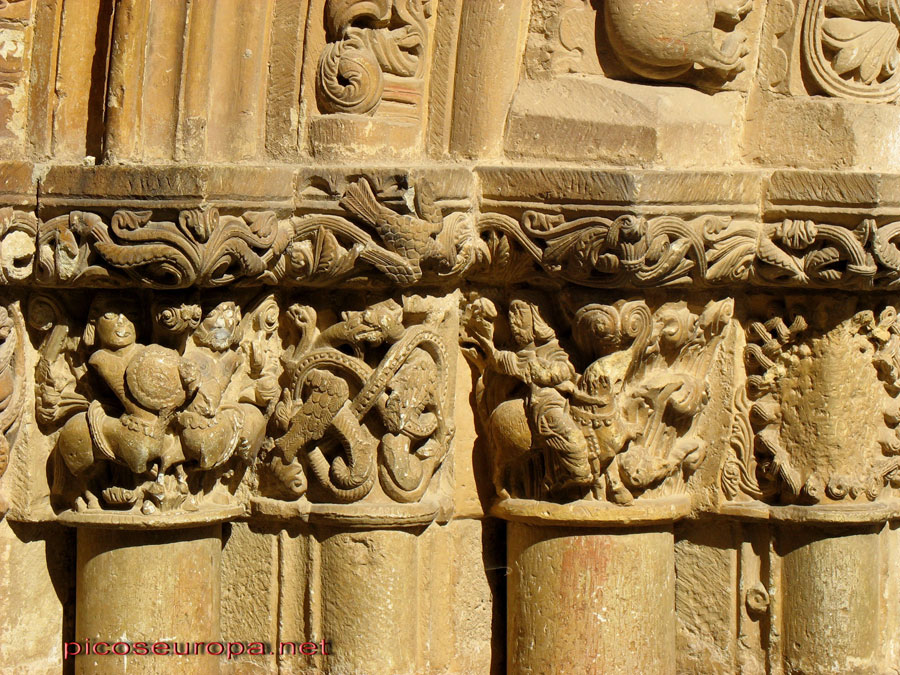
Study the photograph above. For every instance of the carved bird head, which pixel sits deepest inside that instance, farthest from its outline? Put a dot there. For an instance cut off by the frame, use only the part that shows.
(460, 244)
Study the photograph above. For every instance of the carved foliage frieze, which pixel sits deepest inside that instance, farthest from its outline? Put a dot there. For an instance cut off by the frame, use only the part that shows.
(369, 242)
(200, 248)
(713, 250)
(595, 402)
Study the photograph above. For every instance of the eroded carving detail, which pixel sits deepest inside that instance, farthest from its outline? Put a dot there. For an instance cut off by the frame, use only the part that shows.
(368, 397)
(819, 421)
(376, 51)
(12, 382)
(618, 427)
(145, 427)
(664, 39)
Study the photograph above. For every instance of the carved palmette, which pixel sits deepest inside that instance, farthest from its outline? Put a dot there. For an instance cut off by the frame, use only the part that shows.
(851, 48)
(834, 378)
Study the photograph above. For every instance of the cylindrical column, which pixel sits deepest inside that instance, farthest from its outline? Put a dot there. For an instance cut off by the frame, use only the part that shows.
(487, 73)
(370, 601)
(831, 584)
(587, 600)
(147, 587)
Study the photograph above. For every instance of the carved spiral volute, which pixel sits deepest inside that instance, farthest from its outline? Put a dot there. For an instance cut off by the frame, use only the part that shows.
(350, 78)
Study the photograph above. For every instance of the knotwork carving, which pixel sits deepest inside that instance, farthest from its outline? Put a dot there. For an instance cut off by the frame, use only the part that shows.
(819, 419)
(852, 47)
(167, 425)
(620, 426)
(369, 394)
(664, 39)
(368, 42)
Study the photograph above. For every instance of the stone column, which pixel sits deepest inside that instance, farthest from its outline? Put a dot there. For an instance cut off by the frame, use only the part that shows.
(589, 470)
(149, 596)
(814, 464)
(583, 599)
(149, 476)
(369, 482)
(831, 587)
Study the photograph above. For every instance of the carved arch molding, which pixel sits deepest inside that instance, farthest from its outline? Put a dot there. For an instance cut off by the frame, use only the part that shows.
(541, 336)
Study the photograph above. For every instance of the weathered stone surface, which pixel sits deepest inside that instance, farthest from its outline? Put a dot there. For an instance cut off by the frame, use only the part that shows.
(451, 337)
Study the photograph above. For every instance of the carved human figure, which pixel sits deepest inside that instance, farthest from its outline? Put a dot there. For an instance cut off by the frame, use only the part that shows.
(215, 424)
(146, 381)
(544, 368)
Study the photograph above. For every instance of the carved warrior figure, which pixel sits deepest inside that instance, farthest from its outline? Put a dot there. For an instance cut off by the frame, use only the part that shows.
(214, 427)
(173, 412)
(621, 427)
(330, 414)
(664, 39)
(544, 368)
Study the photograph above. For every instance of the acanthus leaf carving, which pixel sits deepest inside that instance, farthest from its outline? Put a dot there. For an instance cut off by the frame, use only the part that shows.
(852, 48)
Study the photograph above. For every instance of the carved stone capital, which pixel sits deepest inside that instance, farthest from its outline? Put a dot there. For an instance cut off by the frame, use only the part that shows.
(814, 430)
(365, 417)
(593, 406)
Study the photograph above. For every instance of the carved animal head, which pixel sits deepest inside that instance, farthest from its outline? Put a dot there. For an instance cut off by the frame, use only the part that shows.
(461, 244)
(380, 323)
(178, 318)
